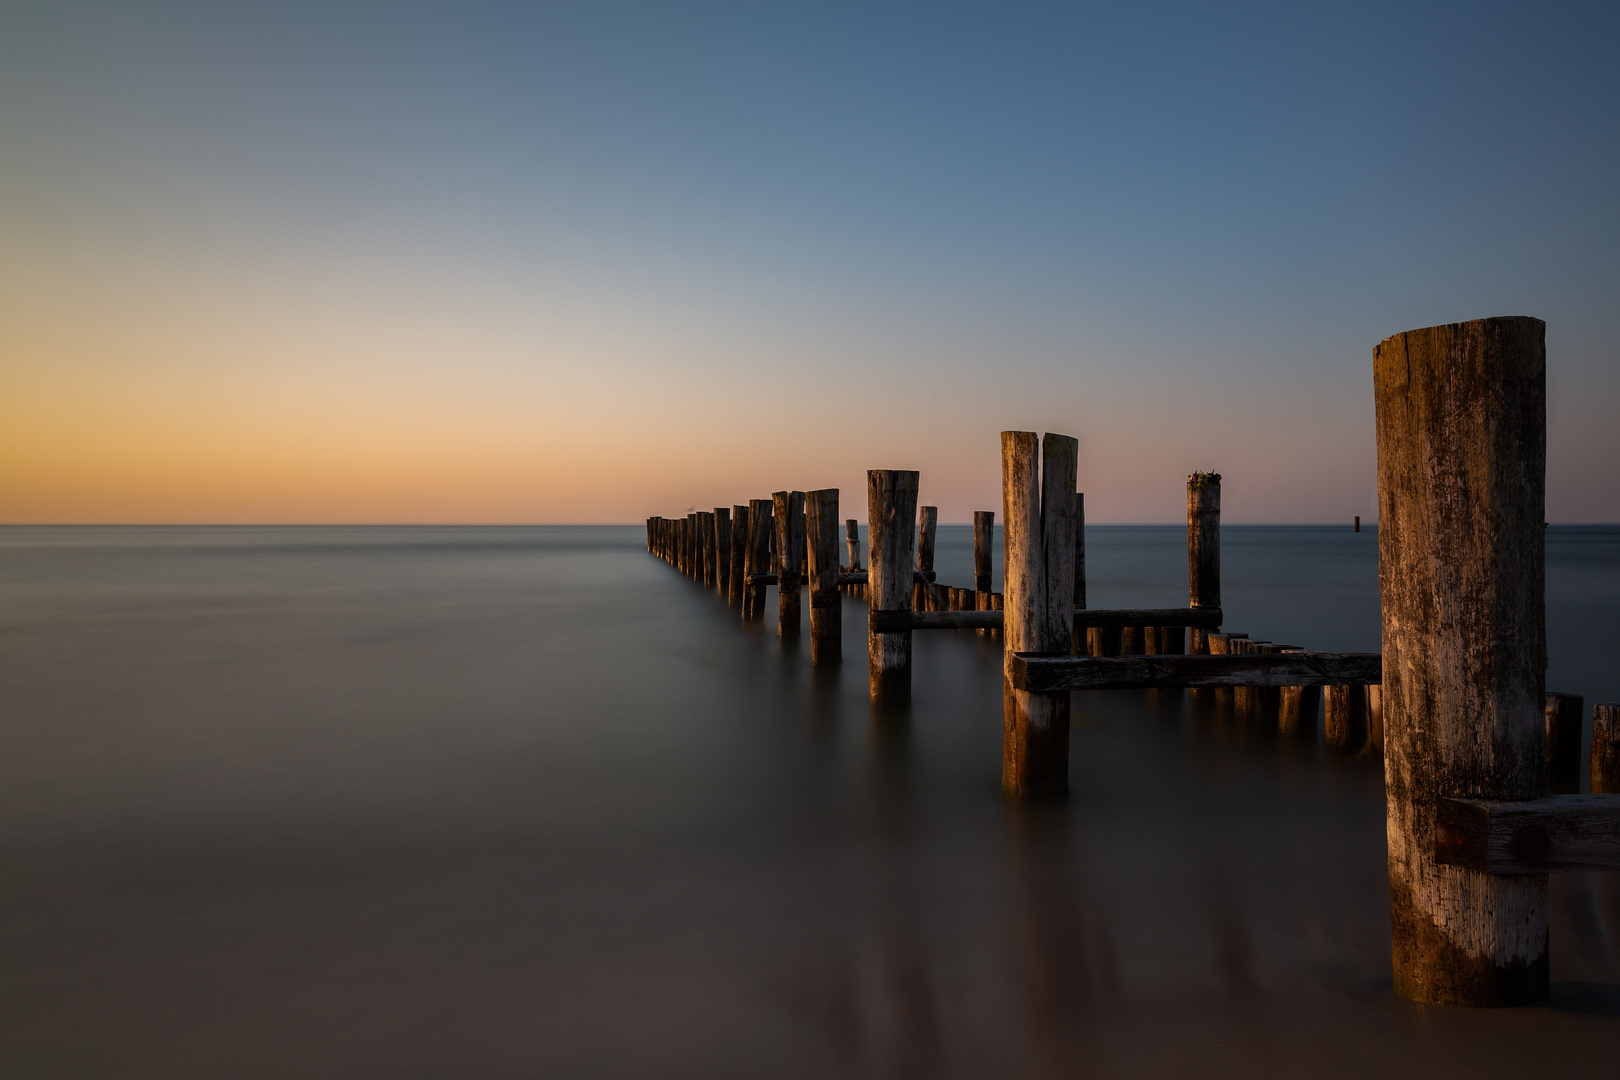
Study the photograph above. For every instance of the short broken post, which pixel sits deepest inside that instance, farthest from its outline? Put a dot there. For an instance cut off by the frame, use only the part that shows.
(1038, 508)
(1604, 763)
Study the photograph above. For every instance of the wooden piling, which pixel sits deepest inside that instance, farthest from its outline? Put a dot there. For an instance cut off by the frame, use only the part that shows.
(739, 555)
(821, 550)
(891, 508)
(1564, 713)
(984, 535)
(852, 534)
(1203, 546)
(1344, 718)
(710, 551)
(788, 507)
(1038, 506)
(1604, 778)
(927, 524)
(722, 549)
(761, 521)
(1461, 428)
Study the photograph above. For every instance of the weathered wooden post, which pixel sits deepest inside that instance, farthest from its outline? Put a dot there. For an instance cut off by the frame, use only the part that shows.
(826, 609)
(1297, 707)
(1204, 559)
(789, 511)
(927, 524)
(694, 546)
(1038, 506)
(1461, 421)
(722, 550)
(1203, 547)
(1564, 713)
(706, 526)
(984, 536)
(760, 524)
(736, 574)
(1344, 718)
(891, 507)
(852, 530)
(1605, 759)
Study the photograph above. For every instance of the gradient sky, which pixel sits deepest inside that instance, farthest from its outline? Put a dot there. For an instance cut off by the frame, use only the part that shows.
(594, 262)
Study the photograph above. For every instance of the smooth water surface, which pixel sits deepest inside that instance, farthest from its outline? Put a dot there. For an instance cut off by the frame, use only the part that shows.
(526, 802)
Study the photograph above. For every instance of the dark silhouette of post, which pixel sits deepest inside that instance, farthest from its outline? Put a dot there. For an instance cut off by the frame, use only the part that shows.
(1038, 507)
(1462, 437)
(1564, 713)
(891, 510)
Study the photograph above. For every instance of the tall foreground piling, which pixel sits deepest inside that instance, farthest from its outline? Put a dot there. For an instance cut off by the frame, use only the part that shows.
(821, 550)
(1461, 422)
(789, 511)
(891, 507)
(1038, 507)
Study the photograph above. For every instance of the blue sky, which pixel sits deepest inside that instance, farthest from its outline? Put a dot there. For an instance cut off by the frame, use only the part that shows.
(594, 262)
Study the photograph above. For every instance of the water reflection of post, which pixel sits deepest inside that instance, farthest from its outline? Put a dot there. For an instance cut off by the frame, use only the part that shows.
(1066, 960)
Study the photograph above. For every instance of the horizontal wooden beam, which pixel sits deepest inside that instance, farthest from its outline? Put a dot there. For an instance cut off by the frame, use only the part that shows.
(1554, 832)
(845, 578)
(893, 622)
(1053, 672)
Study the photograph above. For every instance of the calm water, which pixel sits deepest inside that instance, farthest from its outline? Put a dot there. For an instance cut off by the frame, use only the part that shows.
(525, 802)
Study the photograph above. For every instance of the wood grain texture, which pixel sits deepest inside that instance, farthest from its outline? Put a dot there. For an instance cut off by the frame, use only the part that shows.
(891, 511)
(1048, 672)
(821, 548)
(1532, 836)
(1461, 435)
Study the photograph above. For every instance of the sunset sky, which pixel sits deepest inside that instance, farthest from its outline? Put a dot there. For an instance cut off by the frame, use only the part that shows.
(589, 263)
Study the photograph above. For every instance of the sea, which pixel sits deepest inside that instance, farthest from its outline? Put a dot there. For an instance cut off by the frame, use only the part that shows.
(526, 802)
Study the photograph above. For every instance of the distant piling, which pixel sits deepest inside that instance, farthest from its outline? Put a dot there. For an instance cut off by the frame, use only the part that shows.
(1604, 763)
(788, 507)
(722, 550)
(739, 555)
(761, 521)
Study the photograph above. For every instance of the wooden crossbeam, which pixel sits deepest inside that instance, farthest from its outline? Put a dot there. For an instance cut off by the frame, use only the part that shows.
(893, 622)
(1533, 836)
(844, 578)
(1049, 672)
